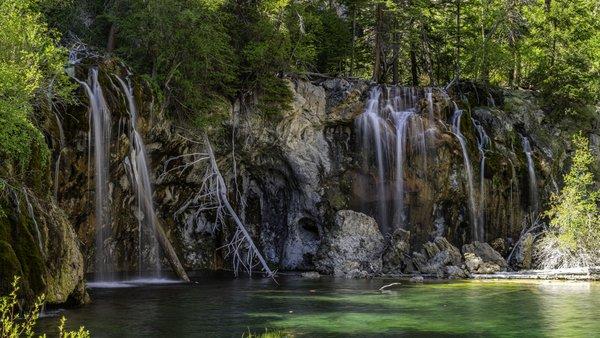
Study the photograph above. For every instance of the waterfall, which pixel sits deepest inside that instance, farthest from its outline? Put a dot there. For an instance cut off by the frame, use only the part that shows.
(429, 96)
(100, 130)
(533, 191)
(36, 227)
(391, 127)
(482, 143)
(372, 127)
(477, 236)
(401, 119)
(138, 168)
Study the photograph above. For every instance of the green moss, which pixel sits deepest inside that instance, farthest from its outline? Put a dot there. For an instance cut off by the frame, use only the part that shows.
(16, 232)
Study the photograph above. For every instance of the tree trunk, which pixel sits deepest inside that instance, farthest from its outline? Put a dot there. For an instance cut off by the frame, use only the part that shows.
(353, 56)
(395, 77)
(457, 61)
(414, 70)
(110, 44)
(170, 252)
(377, 66)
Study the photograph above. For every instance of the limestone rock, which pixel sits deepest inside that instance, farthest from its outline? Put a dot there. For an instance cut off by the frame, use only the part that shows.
(437, 256)
(310, 275)
(352, 247)
(454, 272)
(482, 258)
(396, 257)
(524, 252)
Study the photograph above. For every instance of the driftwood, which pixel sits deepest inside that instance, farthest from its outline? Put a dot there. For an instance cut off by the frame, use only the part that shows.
(167, 248)
(169, 252)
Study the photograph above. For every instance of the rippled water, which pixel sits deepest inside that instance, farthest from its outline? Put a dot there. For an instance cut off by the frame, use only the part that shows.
(220, 306)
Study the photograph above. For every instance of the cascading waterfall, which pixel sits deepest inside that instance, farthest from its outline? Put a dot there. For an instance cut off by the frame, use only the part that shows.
(533, 191)
(99, 135)
(483, 142)
(138, 168)
(456, 118)
(391, 127)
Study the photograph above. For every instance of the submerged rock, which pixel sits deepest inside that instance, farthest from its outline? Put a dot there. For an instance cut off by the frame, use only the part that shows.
(482, 258)
(352, 247)
(310, 275)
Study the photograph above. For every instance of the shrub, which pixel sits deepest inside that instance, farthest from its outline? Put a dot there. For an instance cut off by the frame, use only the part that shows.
(14, 324)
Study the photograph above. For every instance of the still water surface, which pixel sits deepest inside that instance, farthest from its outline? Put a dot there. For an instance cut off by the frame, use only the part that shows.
(220, 306)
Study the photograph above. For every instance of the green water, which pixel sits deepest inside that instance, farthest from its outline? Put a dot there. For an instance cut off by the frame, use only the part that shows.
(219, 306)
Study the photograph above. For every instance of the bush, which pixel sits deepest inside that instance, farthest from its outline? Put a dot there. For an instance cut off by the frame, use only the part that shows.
(14, 324)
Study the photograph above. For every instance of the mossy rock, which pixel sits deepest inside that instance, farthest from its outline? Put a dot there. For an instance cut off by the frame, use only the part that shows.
(16, 232)
(9, 267)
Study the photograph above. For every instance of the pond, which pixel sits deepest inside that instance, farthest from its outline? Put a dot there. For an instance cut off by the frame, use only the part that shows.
(217, 305)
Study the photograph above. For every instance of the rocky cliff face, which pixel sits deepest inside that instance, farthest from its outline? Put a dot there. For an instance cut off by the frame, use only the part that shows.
(293, 173)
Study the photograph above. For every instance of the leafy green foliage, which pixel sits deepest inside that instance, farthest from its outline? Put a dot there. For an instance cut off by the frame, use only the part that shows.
(574, 214)
(14, 324)
(31, 67)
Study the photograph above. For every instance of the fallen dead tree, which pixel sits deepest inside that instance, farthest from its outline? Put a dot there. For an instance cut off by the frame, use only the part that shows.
(212, 198)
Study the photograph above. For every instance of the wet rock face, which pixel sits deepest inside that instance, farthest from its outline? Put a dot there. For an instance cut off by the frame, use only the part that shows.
(294, 173)
(352, 247)
(523, 255)
(38, 244)
(396, 258)
(482, 258)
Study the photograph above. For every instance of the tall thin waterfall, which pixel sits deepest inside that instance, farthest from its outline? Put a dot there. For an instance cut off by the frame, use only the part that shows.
(99, 135)
(533, 190)
(36, 227)
(456, 117)
(61, 146)
(138, 168)
(391, 127)
(483, 142)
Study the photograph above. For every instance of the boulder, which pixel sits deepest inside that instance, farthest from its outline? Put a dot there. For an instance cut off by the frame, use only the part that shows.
(482, 258)
(437, 256)
(523, 255)
(396, 257)
(352, 247)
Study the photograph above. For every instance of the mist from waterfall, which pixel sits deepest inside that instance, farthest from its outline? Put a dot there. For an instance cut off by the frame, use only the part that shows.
(533, 190)
(99, 136)
(138, 169)
(477, 234)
